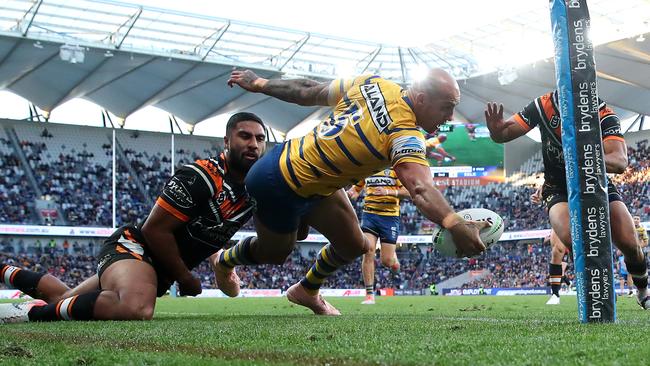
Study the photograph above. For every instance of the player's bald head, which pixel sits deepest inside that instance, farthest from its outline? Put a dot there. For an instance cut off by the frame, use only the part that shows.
(438, 83)
(434, 99)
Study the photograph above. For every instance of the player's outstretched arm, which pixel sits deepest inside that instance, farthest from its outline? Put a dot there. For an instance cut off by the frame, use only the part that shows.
(299, 91)
(501, 130)
(158, 231)
(615, 156)
(417, 180)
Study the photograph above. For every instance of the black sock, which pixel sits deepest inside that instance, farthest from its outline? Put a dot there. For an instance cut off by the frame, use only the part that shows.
(21, 279)
(80, 307)
(555, 277)
(639, 272)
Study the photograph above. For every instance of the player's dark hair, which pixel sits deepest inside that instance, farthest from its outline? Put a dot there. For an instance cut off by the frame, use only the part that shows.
(242, 116)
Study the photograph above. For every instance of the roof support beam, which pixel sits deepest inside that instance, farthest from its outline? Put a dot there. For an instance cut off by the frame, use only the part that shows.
(130, 22)
(401, 64)
(31, 20)
(219, 33)
(373, 56)
(300, 44)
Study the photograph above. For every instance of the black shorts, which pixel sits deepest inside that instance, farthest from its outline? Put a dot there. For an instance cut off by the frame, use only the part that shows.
(556, 193)
(126, 243)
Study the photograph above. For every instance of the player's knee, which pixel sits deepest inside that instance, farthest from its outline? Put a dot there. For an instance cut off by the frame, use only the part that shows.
(139, 311)
(387, 261)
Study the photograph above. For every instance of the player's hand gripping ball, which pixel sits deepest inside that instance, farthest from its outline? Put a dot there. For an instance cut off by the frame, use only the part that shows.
(444, 243)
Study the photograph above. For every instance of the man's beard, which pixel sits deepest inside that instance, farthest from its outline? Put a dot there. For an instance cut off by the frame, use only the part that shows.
(239, 163)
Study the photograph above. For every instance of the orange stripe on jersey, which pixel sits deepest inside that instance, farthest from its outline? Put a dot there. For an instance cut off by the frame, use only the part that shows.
(129, 236)
(58, 309)
(13, 275)
(208, 168)
(69, 311)
(521, 122)
(172, 210)
(549, 111)
(616, 138)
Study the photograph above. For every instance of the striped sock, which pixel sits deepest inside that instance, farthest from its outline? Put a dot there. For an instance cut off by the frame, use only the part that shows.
(21, 279)
(239, 254)
(80, 307)
(370, 290)
(326, 264)
(555, 277)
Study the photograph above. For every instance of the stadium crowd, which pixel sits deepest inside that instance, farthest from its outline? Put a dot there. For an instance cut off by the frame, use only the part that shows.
(77, 181)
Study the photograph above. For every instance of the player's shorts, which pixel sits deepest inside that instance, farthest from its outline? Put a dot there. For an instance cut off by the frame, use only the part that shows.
(386, 228)
(279, 208)
(556, 193)
(123, 245)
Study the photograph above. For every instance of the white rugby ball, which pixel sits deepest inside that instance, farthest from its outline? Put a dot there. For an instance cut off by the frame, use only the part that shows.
(444, 243)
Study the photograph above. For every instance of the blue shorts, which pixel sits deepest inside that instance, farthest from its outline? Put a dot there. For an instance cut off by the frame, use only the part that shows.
(279, 208)
(386, 228)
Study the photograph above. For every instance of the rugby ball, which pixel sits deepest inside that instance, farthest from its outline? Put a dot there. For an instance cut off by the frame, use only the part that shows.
(444, 243)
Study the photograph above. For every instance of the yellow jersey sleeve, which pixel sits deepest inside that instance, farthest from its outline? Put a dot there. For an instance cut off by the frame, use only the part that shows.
(407, 146)
(339, 87)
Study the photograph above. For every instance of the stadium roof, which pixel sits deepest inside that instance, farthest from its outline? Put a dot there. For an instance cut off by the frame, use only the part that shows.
(623, 70)
(125, 57)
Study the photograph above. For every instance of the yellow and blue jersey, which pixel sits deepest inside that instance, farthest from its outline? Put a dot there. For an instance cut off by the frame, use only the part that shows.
(371, 127)
(380, 204)
(642, 234)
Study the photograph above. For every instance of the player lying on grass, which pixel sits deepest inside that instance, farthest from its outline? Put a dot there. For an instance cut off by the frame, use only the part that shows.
(198, 211)
(543, 112)
(373, 125)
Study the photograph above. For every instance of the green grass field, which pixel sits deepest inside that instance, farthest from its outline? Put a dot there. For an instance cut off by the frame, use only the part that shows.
(396, 331)
(482, 152)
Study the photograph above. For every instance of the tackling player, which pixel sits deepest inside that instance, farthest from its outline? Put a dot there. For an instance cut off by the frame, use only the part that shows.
(200, 208)
(543, 113)
(373, 125)
(380, 220)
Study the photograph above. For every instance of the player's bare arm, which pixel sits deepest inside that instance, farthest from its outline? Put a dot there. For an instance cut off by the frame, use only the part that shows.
(417, 180)
(158, 231)
(400, 193)
(501, 130)
(299, 91)
(615, 156)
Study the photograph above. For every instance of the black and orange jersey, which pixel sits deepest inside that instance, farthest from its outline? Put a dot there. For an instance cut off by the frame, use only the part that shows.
(384, 205)
(212, 206)
(543, 112)
(371, 128)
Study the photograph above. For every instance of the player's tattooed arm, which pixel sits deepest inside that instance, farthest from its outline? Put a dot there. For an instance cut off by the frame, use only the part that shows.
(299, 91)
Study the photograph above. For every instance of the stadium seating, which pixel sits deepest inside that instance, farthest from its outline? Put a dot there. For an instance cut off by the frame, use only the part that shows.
(73, 166)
